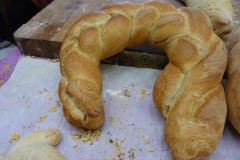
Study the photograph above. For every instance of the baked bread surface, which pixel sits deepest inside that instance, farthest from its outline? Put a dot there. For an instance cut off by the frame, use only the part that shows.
(233, 81)
(188, 92)
(219, 11)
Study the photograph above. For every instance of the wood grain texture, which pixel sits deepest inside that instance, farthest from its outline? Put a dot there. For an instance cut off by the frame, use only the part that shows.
(43, 34)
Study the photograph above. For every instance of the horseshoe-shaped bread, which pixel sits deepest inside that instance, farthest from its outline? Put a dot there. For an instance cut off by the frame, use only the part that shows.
(188, 92)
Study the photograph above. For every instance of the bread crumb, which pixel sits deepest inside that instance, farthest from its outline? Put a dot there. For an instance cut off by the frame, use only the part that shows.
(15, 137)
(119, 153)
(1, 83)
(131, 153)
(111, 119)
(117, 145)
(28, 101)
(30, 56)
(7, 67)
(147, 142)
(127, 93)
(42, 117)
(149, 151)
(133, 149)
(109, 159)
(53, 108)
(53, 60)
(143, 93)
(76, 147)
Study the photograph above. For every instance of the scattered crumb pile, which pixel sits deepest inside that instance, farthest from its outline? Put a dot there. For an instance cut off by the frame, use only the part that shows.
(88, 136)
(117, 145)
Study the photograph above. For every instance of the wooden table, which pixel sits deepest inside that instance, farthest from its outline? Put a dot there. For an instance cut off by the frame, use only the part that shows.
(43, 34)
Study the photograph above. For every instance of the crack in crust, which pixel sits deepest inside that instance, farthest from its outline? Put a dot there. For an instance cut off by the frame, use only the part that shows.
(188, 92)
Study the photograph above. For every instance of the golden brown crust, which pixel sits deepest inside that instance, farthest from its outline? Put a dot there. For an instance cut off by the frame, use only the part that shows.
(195, 133)
(233, 81)
(188, 92)
(220, 13)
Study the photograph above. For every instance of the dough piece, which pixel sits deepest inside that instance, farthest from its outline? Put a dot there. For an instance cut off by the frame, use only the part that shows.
(50, 136)
(37, 145)
(35, 152)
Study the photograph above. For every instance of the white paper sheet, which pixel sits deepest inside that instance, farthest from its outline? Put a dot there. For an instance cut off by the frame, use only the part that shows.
(133, 122)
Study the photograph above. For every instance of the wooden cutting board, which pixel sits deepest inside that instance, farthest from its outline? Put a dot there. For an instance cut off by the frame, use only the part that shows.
(43, 34)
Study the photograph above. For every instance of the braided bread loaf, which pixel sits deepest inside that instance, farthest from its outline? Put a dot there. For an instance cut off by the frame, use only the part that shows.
(233, 81)
(220, 13)
(188, 92)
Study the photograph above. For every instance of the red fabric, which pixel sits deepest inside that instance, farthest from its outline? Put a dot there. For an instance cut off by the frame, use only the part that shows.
(41, 3)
